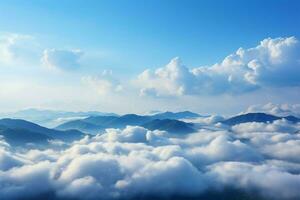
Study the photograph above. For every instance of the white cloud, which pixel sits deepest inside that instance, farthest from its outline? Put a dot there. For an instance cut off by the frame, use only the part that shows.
(103, 168)
(288, 150)
(176, 176)
(174, 79)
(273, 63)
(278, 140)
(18, 182)
(58, 59)
(266, 179)
(206, 120)
(82, 188)
(282, 125)
(8, 160)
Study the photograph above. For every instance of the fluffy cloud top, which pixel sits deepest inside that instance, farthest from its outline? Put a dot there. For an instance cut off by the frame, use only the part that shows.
(274, 62)
(139, 163)
(61, 59)
(174, 79)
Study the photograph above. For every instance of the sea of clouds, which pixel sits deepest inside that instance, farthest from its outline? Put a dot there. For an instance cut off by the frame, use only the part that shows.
(262, 158)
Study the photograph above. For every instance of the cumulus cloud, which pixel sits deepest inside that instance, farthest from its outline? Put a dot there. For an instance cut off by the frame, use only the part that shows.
(267, 179)
(174, 79)
(83, 188)
(175, 176)
(137, 163)
(282, 125)
(19, 182)
(273, 63)
(279, 139)
(7, 159)
(59, 59)
(205, 120)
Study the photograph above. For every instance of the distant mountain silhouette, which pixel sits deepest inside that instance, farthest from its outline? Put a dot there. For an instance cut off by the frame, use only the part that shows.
(100, 120)
(292, 118)
(81, 125)
(129, 119)
(176, 115)
(257, 117)
(17, 130)
(22, 136)
(96, 123)
(51, 118)
(170, 125)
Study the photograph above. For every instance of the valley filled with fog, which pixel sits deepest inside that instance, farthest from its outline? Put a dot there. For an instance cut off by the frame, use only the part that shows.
(253, 155)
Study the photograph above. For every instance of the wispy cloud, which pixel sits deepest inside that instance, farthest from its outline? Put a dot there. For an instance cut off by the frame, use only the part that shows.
(104, 83)
(58, 59)
(18, 49)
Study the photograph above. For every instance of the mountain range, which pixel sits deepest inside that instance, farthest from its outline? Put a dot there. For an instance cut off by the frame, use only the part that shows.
(167, 121)
(170, 125)
(17, 131)
(176, 115)
(51, 118)
(20, 131)
(257, 117)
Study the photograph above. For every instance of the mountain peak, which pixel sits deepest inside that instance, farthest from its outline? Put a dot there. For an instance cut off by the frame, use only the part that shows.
(256, 117)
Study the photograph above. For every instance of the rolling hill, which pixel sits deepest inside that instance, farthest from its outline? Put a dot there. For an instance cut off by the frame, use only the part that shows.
(94, 124)
(81, 125)
(23, 136)
(257, 117)
(18, 131)
(170, 125)
(51, 118)
(176, 115)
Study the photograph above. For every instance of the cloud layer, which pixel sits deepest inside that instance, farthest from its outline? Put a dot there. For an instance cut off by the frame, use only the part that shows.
(273, 63)
(135, 162)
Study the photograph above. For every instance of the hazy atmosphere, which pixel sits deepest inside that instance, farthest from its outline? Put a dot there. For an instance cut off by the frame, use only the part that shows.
(139, 100)
(154, 55)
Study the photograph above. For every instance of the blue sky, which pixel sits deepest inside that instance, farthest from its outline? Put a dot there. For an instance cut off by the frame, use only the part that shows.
(147, 33)
(127, 37)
